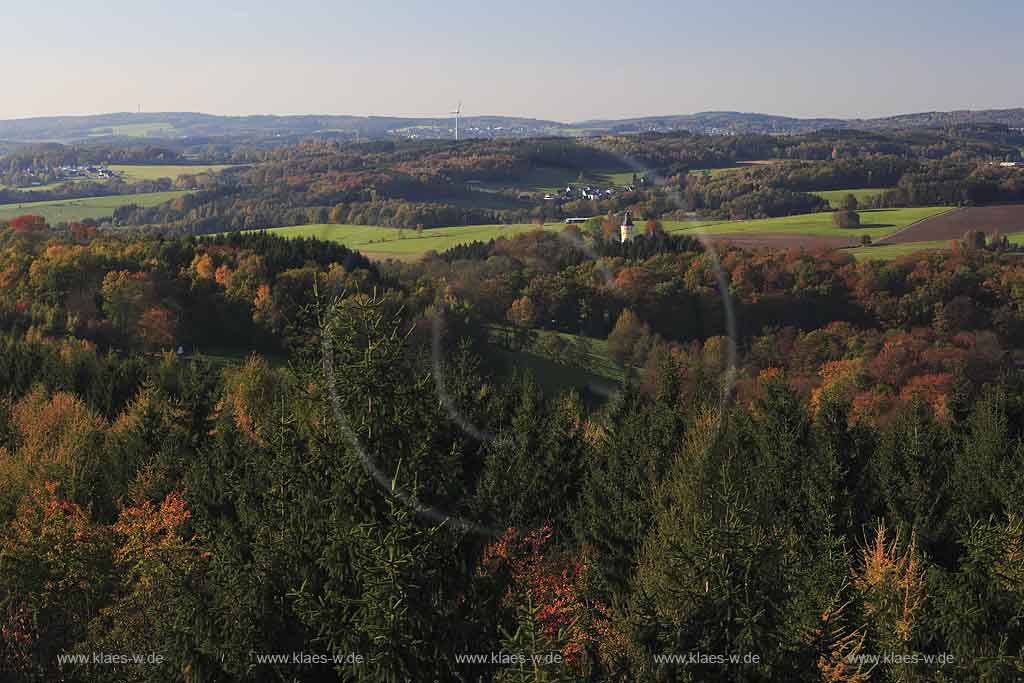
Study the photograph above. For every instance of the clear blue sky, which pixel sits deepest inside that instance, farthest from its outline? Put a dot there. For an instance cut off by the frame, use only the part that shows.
(564, 60)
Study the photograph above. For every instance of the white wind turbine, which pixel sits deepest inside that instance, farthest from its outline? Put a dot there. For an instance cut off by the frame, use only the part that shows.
(458, 113)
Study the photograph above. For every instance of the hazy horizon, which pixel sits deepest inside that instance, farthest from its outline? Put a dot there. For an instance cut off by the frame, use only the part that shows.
(572, 62)
(501, 115)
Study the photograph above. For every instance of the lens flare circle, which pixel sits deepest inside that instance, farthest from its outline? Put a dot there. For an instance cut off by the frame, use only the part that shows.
(456, 416)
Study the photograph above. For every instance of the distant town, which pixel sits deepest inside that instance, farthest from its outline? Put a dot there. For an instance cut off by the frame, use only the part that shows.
(35, 178)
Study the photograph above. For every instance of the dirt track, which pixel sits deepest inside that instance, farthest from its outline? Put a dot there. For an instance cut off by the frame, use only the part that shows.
(1007, 219)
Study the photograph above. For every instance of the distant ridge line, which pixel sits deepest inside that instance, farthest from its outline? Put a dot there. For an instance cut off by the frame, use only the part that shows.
(196, 125)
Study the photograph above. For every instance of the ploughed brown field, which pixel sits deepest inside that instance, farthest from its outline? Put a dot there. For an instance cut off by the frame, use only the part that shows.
(783, 241)
(1005, 218)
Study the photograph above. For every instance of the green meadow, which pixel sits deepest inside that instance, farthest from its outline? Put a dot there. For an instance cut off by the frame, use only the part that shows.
(39, 188)
(888, 252)
(385, 242)
(134, 173)
(66, 210)
(588, 353)
(836, 197)
(740, 165)
(586, 366)
(136, 130)
(877, 223)
(552, 179)
(404, 243)
(399, 242)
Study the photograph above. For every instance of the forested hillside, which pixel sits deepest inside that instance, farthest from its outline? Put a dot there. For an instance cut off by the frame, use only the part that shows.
(430, 184)
(174, 127)
(225, 451)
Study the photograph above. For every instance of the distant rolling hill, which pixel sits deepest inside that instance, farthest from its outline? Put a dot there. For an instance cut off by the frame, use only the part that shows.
(741, 122)
(196, 128)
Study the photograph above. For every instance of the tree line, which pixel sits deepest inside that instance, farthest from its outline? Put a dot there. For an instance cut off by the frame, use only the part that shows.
(834, 476)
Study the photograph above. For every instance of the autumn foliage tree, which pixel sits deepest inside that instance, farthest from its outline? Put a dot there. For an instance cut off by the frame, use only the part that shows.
(846, 218)
(28, 224)
(545, 602)
(57, 572)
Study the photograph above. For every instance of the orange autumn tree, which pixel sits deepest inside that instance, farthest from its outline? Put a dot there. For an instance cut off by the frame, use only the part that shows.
(158, 563)
(891, 582)
(546, 591)
(56, 569)
(840, 380)
(522, 312)
(28, 224)
(251, 393)
(245, 280)
(126, 297)
(871, 406)
(156, 326)
(933, 389)
(82, 232)
(61, 439)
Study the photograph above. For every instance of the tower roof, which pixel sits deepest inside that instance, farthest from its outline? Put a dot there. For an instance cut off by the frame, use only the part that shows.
(626, 220)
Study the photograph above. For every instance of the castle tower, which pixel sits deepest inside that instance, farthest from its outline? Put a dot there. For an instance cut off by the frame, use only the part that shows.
(626, 231)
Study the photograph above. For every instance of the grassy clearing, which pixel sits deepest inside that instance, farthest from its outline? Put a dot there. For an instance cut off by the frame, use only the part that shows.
(33, 188)
(554, 378)
(374, 240)
(715, 171)
(876, 223)
(584, 366)
(405, 244)
(65, 210)
(131, 172)
(136, 130)
(134, 173)
(740, 165)
(342, 233)
(888, 252)
(836, 197)
(552, 179)
(586, 353)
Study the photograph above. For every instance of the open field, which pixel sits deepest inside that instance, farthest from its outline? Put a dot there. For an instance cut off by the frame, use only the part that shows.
(136, 130)
(887, 252)
(780, 241)
(132, 172)
(137, 172)
(552, 178)
(877, 223)
(588, 353)
(1007, 219)
(835, 197)
(808, 230)
(349, 235)
(31, 188)
(385, 242)
(740, 165)
(555, 378)
(63, 210)
(587, 367)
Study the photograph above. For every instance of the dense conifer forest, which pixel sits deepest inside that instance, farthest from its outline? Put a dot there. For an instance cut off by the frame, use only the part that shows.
(433, 342)
(224, 450)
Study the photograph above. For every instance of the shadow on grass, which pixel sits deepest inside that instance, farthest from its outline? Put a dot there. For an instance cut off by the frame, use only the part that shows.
(554, 378)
